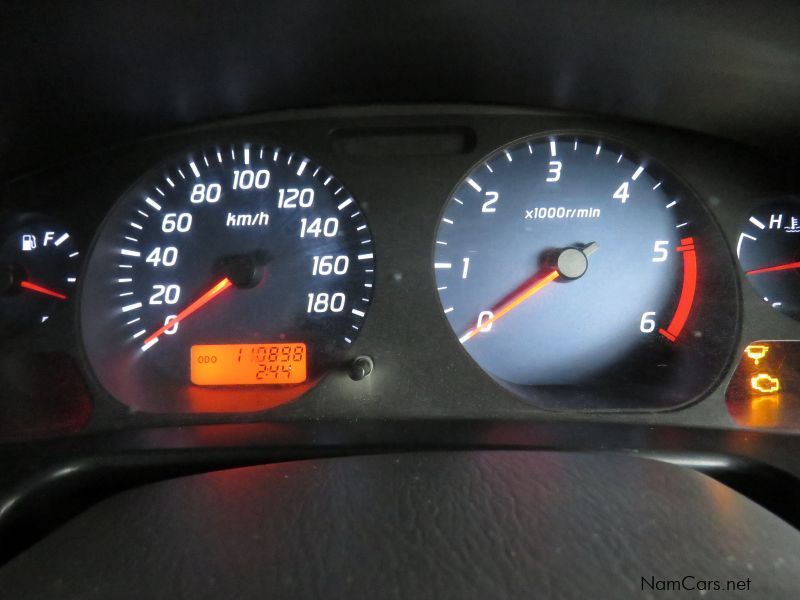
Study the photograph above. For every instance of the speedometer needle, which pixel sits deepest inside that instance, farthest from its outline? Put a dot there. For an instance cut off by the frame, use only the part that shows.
(785, 267)
(215, 291)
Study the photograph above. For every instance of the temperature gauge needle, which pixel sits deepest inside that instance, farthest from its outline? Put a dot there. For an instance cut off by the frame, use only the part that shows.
(785, 267)
(41, 290)
(215, 291)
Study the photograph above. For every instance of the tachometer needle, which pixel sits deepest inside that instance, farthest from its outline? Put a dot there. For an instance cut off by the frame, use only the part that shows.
(512, 303)
(784, 267)
(215, 291)
(42, 290)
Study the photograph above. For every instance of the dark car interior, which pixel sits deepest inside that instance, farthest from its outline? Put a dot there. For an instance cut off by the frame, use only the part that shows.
(453, 299)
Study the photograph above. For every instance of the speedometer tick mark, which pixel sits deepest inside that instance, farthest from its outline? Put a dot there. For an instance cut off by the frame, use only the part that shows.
(619, 158)
(219, 157)
(599, 148)
(679, 225)
(153, 203)
(194, 169)
(508, 156)
(131, 239)
(457, 200)
(144, 214)
(474, 185)
(441, 243)
(170, 182)
(302, 167)
(131, 307)
(181, 174)
(489, 168)
(358, 313)
(139, 333)
(159, 191)
(328, 180)
(448, 221)
(345, 204)
(636, 173)
(125, 294)
(149, 345)
(126, 252)
(136, 225)
(552, 147)
(364, 256)
(671, 204)
(314, 174)
(355, 214)
(336, 193)
(448, 310)
(247, 156)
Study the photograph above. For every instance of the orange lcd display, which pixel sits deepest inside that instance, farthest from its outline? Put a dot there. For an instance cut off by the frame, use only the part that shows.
(248, 364)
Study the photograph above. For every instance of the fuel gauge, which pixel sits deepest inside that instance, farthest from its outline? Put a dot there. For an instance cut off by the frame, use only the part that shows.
(38, 271)
(769, 253)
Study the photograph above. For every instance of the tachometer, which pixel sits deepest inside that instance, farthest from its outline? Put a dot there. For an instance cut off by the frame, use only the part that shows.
(572, 262)
(230, 278)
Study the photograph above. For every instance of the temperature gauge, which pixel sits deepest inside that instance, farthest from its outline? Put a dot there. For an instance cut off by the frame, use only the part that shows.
(38, 271)
(769, 253)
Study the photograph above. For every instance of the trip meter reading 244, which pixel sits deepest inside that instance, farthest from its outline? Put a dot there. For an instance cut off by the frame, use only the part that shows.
(226, 255)
(572, 262)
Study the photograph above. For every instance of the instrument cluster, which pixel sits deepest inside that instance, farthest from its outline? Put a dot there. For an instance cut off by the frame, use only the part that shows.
(372, 264)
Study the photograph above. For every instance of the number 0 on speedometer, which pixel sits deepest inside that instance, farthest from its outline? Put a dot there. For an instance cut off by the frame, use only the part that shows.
(230, 277)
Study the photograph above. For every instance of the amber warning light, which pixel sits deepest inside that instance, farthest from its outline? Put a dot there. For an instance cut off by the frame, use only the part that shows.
(248, 364)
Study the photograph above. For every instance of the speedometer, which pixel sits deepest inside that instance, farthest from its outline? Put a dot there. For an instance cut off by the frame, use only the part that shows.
(229, 278)
(581, 274)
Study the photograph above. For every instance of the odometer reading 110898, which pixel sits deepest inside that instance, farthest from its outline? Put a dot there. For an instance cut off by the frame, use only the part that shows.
(226, 248)
(572, 262)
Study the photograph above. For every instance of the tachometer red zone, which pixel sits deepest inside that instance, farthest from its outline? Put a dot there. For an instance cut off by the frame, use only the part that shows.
(688, 290)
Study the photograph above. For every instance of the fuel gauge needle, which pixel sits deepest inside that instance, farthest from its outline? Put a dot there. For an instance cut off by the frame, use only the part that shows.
(212, 293)
(41, 290)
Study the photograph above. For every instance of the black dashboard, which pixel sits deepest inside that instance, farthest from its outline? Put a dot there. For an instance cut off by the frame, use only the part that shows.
(537, 247)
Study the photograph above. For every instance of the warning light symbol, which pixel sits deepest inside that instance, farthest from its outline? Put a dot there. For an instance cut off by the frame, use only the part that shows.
(756, 352)
(766, 384)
